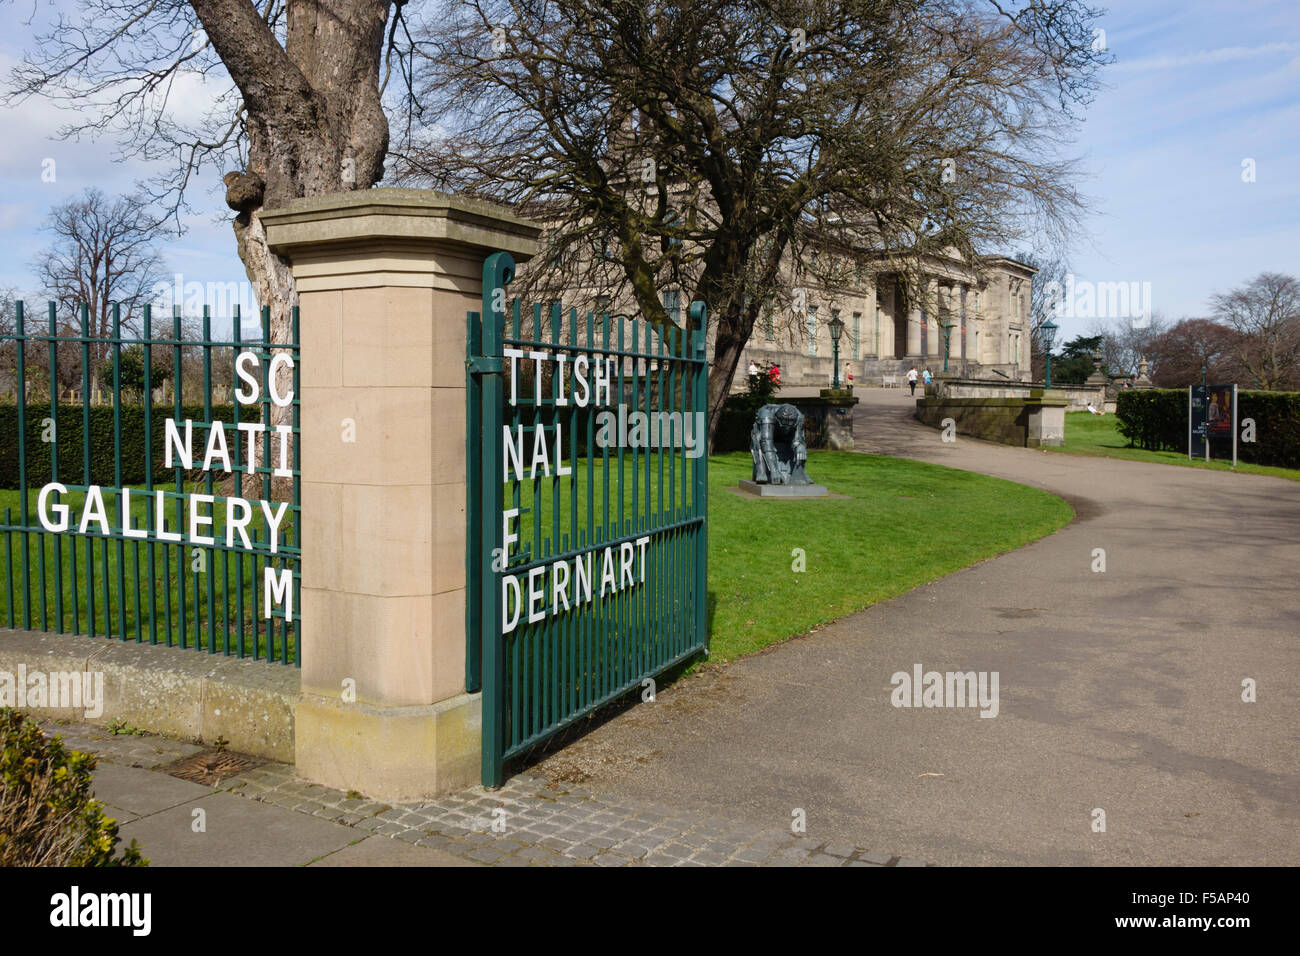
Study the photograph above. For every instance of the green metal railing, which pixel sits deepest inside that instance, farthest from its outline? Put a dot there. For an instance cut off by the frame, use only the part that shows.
(591, 496)
(138, 570)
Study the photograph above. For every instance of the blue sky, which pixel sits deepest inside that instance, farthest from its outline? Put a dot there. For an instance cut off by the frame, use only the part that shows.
(1197, 89)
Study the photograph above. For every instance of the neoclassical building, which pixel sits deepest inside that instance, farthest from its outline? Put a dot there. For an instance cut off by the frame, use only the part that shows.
(884, 334)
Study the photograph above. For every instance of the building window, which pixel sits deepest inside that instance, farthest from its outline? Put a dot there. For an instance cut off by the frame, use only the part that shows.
(857, 336)
(672, 300)
(672, 221)
(812, 330)
(769, 325)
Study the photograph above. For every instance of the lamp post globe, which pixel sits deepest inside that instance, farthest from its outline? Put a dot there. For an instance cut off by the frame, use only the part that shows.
(837, 329)
(1048, 329)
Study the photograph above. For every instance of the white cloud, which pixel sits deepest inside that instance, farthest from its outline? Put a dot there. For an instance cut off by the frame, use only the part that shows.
(1225, 54)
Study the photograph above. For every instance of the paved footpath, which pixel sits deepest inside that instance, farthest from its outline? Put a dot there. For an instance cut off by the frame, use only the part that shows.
(1120, 691)
(268, 817)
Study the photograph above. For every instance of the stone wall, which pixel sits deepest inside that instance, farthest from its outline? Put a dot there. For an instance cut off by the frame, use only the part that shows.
(1028, 422)
(1077, 397)
(803, 371)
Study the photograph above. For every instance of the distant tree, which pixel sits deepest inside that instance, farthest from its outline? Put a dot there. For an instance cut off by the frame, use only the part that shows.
(8, 351)
(1075, 362)
(1178, 354)
(1123, 343)
(1266, 314)
(1045, 301)
(104, 253)
(131, 365)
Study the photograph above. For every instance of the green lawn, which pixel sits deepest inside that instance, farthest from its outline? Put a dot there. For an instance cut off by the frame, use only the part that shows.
(901, 523)
(1089, 434)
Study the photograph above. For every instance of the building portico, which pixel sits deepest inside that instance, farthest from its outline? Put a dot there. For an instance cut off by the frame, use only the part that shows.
(885, 334)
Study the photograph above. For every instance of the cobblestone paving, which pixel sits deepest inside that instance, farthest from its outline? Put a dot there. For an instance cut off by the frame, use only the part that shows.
(527, 822)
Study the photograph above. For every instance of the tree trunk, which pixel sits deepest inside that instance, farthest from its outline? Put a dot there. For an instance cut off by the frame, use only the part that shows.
(728, 346)
(315, 122)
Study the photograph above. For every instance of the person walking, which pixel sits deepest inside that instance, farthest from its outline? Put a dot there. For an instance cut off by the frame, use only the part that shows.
(911, 379)
(926, 377)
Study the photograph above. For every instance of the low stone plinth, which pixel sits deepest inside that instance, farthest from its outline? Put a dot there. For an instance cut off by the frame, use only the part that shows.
(1030, 422)
(828, 419)
(783, 491)
(1078, 397)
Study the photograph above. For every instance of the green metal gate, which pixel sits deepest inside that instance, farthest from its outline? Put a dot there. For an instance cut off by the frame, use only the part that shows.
(563, 487)
(234, 590)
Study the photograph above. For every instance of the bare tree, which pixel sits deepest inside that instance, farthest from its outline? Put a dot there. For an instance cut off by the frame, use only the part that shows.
(706, 144)
(1266, 314)
(8, 349)
(1044, 302)
(294, 91)
(1124, 342)
(1179, 353)
(104, 254)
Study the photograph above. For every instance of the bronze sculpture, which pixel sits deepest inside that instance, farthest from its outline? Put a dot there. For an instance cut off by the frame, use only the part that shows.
(776, 442)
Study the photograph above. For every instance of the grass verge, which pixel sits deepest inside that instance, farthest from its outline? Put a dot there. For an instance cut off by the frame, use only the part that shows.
(1089, 434)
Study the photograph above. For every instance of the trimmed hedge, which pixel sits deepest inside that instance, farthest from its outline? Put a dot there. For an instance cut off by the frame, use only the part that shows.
(736, 420)
(1156, 419)
(68, 433)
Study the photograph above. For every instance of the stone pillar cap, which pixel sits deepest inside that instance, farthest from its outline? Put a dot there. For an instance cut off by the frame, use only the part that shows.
(392, 213)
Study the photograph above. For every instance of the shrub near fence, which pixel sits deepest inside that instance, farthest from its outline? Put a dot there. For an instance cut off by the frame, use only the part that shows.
(67, 431)
(1156, 419)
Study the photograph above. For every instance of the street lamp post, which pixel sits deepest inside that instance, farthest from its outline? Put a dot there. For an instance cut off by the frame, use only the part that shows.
(837, 329)
(1048, 329)
(947, 341)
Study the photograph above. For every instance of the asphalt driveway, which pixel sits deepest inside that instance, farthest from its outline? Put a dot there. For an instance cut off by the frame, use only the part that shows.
(1119, 690)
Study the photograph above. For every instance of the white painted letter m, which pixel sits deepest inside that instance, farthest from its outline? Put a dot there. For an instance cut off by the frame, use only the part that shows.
(278, 589)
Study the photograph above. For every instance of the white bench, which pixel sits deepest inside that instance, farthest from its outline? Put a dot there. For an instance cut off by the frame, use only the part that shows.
(889, 381)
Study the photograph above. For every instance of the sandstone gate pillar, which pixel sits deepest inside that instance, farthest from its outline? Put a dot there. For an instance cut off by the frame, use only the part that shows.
(385, 277)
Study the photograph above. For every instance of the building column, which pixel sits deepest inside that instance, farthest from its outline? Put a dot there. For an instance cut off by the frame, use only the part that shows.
(385, 278)
(933, 347)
